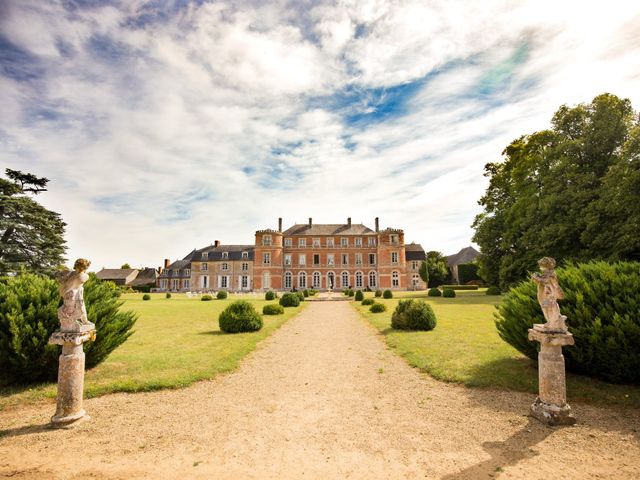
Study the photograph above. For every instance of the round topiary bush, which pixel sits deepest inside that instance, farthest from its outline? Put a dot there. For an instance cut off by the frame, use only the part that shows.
(359, 296)
(602, 305)
(290, 300)
(146, 296)
(378, 293)
(167, 295)
(434, 292)
(378, 308)
(387, 294)
(273, 309)
(413, 315)
(240, 316)
(270, 295)
(300, 295)
(449, 293)
(206, 297)
(368, 301)
(222, 294)
(351, 293)
(493, 290)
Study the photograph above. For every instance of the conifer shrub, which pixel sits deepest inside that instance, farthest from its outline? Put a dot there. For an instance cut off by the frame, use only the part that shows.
(378, 308)
(448, 293)
(346, 292)
(270, 295)
(351, 293)
(238, 317)
(368, 301)
(29, 315)
(289, 300)
(387, 294)
(359, 296)
(146, 296)
(602, 305)
(273, 309)
(222, 294)
(413, 315)
(167, 295)
(305, 292)
(378, 293)
(434, 292)
(493, 290)
(206, 297)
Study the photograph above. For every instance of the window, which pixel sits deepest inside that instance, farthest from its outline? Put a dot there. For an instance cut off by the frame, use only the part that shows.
(345, 259)
(245, 255)
(316, 279)
(224, 281)
(175, 284)
(244, 282)
(224, 267)
(358, 259)
(316, 259)
(186, 283)
(316, 242)
(330, 242)
(344, 241)
(393, 238)
(266, 240)
(187, 272)
(287, 280)
(205, 256)
(245, 267)
(163, 284)
(395, 279)
(266, 280)
(373, 280)
(371, 241)
(287, 242)
(204, 267)
(302, 242)
(225, 255)
(169, 273)
(358, 242)
(415, 280)
(372, 259)
(358, 279)
(266, 258)
(302, 280)
(345, 279)
(394, 257)
(204, 281)
(287, 259)
(302, 259)
(330, 260)
(415, 264)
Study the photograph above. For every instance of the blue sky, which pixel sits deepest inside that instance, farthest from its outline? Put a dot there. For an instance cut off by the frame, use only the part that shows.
(165, 125)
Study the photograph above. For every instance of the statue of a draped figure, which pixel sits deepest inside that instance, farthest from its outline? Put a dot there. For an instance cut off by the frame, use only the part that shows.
(549, 292)
(73, 314)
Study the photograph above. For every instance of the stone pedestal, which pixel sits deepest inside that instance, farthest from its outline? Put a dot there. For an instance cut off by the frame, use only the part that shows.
(71, 375)
(551, 405)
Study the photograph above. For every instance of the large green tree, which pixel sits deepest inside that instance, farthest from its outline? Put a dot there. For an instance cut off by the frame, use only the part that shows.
(437, 270)
(31, 237)
(567, 192)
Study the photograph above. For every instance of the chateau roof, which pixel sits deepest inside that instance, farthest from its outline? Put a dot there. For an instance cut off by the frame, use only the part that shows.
(215, 253)
(329, 229)
(466, 255)
(414, 251)
(145, 276)
(115, 273)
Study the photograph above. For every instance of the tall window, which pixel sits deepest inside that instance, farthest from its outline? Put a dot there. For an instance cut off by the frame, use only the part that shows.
(163, 284)
(266, 258)
(373, 280)
(287, 242)
(371, 241)
(415, 264)
(266, 240)
(358, 259)
(330, 260)
(187, 272)
(415, 280)
(345, 259)
(302, 242)
(204, 281)
(394, 257)
(394, 239)
(244, 282)
(344, 241)
(358, 241)
(287, 280)
(372, 259)
(302, 259)
(358, 279)
(302, 280)
(316, 242)
(330, 242)
(204, 267)
(224, 281)
(266, 280)
(395, 279)
(316, 259)
(345, 279)
(287, 259)
(186, 283)
(316, 279)
(174, 284)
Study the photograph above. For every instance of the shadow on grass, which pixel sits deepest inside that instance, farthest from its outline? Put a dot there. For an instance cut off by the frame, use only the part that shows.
(213, 332)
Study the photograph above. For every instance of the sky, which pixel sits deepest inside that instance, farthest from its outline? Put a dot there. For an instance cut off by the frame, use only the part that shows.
(165, 125)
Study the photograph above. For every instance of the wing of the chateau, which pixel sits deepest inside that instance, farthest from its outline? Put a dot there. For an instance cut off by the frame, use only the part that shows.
(319, 256)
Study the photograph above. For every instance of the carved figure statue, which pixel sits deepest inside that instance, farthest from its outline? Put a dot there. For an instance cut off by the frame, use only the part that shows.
(549, 292)
(73, 314)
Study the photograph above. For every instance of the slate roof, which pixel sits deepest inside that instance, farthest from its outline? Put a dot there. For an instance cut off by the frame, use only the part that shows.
(414, 251)
(329, 229)
(145, 276)
(466, 255)
(115, 273)
(215, 253)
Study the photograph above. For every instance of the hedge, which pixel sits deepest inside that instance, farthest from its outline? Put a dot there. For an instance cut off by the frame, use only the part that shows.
(460, 287)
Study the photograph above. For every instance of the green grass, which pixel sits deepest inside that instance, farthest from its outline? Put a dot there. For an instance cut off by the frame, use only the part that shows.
(176, 343)
(465, 348)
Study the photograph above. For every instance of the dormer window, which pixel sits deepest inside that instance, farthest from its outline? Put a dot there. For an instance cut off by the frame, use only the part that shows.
(225, 255)
(245, 255)
(205, 256)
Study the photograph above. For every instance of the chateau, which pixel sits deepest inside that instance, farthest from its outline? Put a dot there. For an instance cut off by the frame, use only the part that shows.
(319, 256)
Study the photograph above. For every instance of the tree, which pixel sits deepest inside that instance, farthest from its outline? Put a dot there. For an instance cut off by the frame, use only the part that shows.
(31, 237)
(424, 272)
(125, 266)
(438, 272)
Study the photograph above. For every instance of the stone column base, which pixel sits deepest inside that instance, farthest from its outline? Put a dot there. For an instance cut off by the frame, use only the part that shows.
(69, 421)
(552, 414)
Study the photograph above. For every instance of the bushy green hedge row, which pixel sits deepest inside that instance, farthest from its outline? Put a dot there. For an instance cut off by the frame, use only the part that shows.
(602, 305)
(460, 287)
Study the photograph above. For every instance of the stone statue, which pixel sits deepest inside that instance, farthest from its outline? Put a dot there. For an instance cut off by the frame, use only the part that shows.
(73, 314)
(549, 292)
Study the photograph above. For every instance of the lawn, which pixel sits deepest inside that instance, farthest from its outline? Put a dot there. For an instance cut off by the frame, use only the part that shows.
(176, 342)
(465, 347)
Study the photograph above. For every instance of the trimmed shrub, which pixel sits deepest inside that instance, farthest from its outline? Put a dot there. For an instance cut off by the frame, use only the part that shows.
(206, 297)
(29, 315)
(359, 296)
(312, 292)
(270, 295)
(273, 309)
(448, 293)
(240, 316)
(351, 293)
(378, 293)
(167, 295)
(146, 296)
(290, 300)
(460, 287)
(378, 308)
(222, 294)
(493, 290)
(300, 295)
(368, 301)
(387, 294)
(305, 292)
(602, 305)
(413, 315)
(434, 292)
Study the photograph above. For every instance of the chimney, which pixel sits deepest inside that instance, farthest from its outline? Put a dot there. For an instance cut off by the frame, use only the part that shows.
(167, 262)
(310, 222)
(349, 221)
(377, 224)
(280, 224)
(216, 243)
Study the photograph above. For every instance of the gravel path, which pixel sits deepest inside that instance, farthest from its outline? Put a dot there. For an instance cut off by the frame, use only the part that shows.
(321, 398)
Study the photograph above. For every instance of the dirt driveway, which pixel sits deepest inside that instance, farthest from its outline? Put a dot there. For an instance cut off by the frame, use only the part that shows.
(321, 398)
